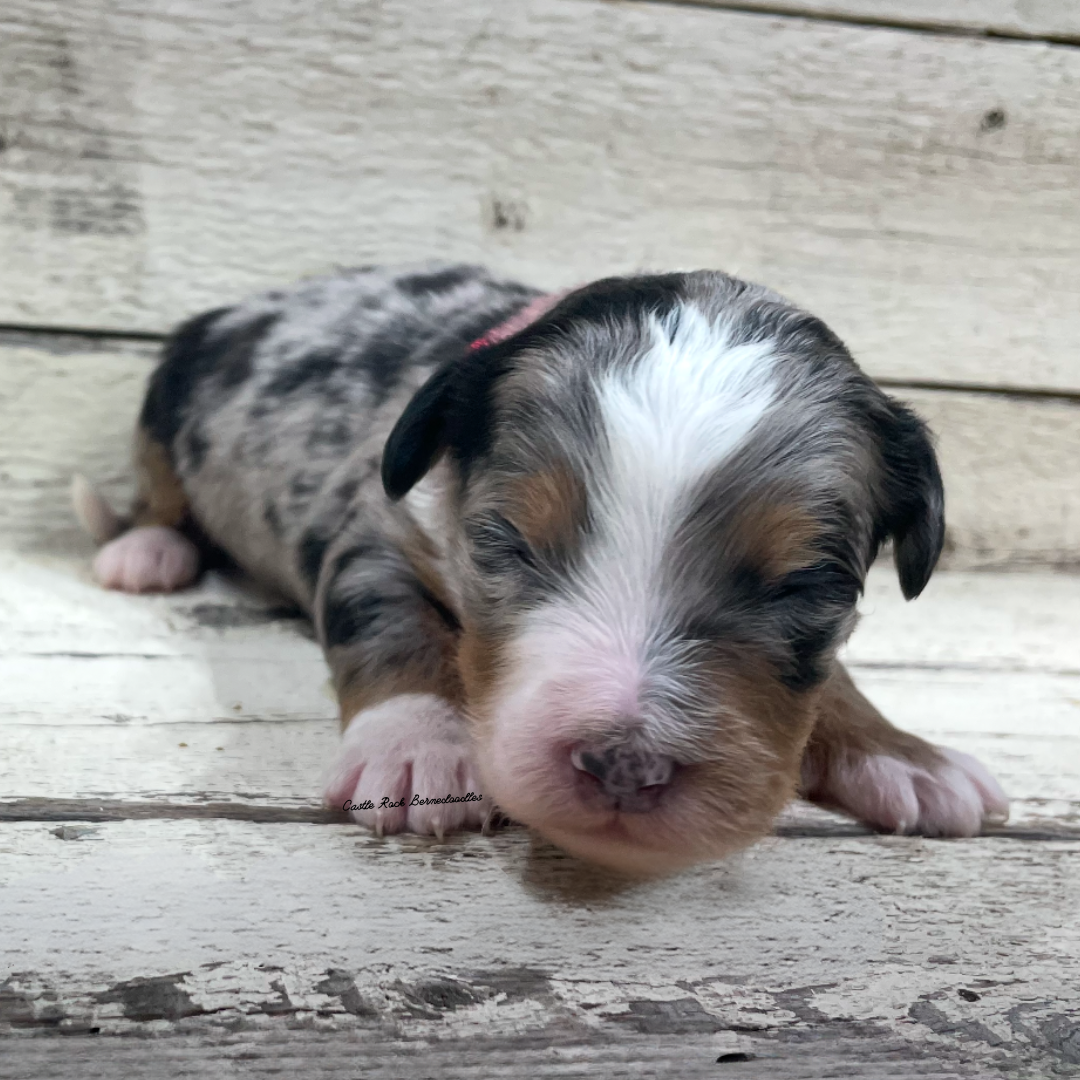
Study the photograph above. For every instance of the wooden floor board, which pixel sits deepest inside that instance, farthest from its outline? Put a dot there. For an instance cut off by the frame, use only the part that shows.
(890, 951)
(916, 190)
(216, 694)
(169, 873)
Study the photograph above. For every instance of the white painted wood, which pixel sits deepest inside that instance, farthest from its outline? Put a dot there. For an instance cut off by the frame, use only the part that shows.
(1012, 465)
(781, 953)
(164, 156)
(268, 1052)
(62, 412)
(972, 622)
(252, 764)
(1055, 20)
(1012, 476)
(1026, 729)
(75, 651)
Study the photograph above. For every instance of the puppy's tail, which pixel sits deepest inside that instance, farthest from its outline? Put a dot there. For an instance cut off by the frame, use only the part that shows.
(95, 514)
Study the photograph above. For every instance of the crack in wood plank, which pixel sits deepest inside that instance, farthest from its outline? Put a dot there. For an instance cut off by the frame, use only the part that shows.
(1003, 20)
(102, 810)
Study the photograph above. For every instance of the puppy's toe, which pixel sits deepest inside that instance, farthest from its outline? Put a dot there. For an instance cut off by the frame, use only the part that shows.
(951, 794)
(149, 559)
(405, 766)
(443, 779)
(989, 795)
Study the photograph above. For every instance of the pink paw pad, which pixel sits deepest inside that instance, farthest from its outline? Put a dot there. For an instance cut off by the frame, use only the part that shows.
(412, 751)
(148, 559)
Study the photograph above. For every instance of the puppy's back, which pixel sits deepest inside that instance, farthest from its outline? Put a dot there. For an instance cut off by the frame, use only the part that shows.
(266, 419)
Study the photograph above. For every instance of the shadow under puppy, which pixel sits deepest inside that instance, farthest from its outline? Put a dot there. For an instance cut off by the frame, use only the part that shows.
(587, 556)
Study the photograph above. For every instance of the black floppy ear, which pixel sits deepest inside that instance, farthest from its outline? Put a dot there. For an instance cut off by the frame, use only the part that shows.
(913, 510)
(418, 436)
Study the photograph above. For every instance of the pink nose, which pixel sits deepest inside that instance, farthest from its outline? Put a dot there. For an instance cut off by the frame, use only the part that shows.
(632, 778)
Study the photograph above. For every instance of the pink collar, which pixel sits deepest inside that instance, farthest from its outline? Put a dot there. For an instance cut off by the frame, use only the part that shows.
(528, 314)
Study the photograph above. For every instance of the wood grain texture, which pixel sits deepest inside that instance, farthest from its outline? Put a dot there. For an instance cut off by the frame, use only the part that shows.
(1046, 20)
(1001, 458)
(956, 959)
(545, 1055)
(916, 190)
(64, 410)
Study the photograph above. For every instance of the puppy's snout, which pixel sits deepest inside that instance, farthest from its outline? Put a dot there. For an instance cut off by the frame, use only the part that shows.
(633, 778)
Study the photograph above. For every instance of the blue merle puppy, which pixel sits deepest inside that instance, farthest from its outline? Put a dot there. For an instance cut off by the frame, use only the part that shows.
(588, 557)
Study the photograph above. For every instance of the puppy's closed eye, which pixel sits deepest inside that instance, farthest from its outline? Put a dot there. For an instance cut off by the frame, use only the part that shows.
(498, 546)
(823, 583)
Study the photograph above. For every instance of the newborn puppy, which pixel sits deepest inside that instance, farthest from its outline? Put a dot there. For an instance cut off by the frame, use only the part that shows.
(588, 557)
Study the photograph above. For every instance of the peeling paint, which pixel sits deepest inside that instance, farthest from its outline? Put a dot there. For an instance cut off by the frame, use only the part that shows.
(159, 997)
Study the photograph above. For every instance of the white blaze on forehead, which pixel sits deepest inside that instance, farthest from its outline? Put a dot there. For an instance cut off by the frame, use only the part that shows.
(669, 419)
(603, 653)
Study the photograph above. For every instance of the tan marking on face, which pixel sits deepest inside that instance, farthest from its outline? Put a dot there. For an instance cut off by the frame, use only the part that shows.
(161, 499)
(777, 538)
(481, 664)
(762, 731)
(549, 507)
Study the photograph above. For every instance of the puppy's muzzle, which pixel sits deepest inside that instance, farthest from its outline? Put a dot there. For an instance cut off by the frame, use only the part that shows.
(630, 777)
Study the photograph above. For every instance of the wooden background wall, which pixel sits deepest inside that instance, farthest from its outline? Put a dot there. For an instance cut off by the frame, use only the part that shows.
(908, 169)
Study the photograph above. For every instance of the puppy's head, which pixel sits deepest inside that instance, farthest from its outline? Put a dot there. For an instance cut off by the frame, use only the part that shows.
(669, 491)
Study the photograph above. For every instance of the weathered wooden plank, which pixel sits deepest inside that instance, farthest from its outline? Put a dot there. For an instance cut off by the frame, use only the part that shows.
(837, 1053)
(63, 411)
(1048, 20)
(955, 957)
(916, 190)
(971, 621)
(278, 764)
(1002, 457)
(1010, 463)
(77, 819)
(834, 1053)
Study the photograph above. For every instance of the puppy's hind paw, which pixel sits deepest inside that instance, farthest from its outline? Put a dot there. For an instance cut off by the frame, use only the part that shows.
(149, 559)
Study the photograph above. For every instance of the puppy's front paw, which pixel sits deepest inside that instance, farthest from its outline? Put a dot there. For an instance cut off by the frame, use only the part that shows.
(397, 758)
(935, 792)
